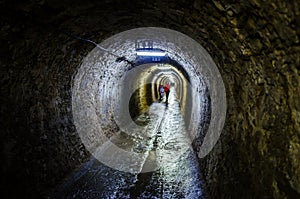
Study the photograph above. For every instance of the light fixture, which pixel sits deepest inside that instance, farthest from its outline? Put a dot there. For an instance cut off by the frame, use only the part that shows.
(152, 53)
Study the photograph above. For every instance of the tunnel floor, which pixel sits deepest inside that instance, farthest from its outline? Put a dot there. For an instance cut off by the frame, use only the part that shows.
(167, 165)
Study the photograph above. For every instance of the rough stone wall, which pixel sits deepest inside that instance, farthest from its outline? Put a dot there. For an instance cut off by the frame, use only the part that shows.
(254, 43)
(256, 46)
(39, 143)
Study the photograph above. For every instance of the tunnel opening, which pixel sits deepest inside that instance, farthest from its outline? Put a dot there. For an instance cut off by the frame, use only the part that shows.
(160, 72)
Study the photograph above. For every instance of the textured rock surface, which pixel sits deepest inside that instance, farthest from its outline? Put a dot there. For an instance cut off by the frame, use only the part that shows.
(254, 43)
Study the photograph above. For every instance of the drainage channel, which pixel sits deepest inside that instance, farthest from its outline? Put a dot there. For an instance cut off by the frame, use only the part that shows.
(177, 174)
(150, 184)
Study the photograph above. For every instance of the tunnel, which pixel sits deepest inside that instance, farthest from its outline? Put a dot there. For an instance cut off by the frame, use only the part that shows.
(81, 115)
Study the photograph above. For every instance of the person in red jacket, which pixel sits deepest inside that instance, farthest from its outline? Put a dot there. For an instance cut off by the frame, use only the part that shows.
(167, 91)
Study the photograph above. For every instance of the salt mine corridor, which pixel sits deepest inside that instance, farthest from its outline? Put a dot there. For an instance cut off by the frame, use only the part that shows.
(144, 143)
(80, 109)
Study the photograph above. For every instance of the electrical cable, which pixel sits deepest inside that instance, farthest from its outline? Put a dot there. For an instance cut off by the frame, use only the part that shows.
(119, 58)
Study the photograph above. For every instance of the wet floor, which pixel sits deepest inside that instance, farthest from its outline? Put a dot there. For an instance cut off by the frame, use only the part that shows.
(158, 155)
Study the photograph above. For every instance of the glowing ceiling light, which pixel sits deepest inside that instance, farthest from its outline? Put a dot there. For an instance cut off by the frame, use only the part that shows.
(151, 53)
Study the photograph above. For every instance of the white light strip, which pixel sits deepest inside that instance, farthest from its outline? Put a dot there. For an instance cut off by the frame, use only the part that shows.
(151, 53)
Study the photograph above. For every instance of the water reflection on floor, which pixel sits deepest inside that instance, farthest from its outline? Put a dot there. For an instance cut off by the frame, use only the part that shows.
(163, 148)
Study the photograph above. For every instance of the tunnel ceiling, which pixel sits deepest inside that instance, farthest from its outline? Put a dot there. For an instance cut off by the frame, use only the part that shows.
(255, 45)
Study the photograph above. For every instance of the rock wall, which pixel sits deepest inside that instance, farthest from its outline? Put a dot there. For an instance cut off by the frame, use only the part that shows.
(254, 43)
(259, 61)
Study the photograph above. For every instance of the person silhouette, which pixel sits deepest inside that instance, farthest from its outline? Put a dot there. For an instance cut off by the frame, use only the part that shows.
(167, 91)
(161, 92)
